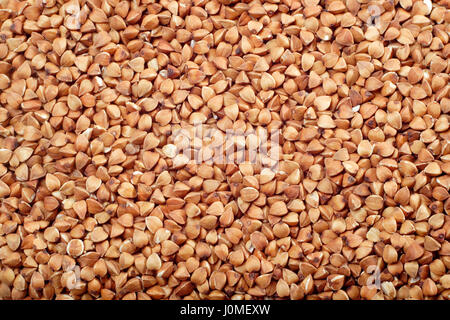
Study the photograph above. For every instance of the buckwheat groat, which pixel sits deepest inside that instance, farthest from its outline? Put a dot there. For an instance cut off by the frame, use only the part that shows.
(224, 149)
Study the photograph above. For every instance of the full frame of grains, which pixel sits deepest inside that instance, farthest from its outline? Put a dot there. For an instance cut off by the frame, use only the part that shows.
(95, 202)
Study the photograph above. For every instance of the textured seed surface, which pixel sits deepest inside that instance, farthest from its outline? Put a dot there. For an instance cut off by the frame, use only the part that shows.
(115, 117)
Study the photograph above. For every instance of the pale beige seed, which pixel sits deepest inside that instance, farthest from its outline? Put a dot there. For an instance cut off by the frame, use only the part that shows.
(278, 209)
(92, 184)
(249, 194)
(153, 262)
(98, 234)
(127, 190)
(365, 148)
(75, 248)
(374, 202)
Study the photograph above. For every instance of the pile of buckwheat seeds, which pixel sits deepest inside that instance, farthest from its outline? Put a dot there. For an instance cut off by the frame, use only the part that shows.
(102, 198)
